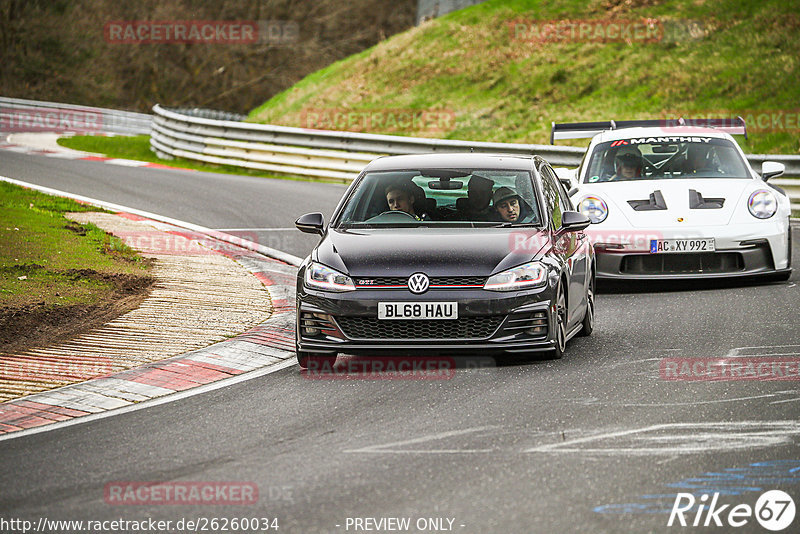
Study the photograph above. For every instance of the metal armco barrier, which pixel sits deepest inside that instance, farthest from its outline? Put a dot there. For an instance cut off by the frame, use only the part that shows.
(306, 152)
(200, 135)
(18, 115)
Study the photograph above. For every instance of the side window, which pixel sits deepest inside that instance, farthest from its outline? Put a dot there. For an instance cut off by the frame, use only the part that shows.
(563, 196)
(551, 197)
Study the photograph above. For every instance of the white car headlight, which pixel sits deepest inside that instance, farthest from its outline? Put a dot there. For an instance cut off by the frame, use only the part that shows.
(526, 276)
(762, 204)
(319, 276)
(594, 208)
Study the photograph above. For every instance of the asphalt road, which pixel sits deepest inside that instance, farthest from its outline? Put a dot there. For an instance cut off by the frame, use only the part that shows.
(258, 209)
(596, 442)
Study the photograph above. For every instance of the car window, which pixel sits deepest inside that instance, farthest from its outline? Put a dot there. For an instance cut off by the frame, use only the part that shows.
(551, 197)
(438, 197)
(655, 158)
(563, 196)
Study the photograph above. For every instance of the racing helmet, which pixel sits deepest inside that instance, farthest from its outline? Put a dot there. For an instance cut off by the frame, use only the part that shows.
(629, 156)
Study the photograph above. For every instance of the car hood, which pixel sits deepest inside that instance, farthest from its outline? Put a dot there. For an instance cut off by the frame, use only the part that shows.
(436, 252)
(677, 196)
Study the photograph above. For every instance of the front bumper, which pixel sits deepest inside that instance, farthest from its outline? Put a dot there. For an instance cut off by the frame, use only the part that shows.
(741, 251)
(489, 322)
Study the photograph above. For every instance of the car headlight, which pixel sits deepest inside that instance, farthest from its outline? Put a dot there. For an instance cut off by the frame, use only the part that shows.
(762, 204)
(319, 276)
(532, 274)
(594, 208)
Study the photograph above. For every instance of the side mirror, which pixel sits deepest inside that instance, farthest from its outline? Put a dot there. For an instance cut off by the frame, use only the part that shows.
(771, 169)
(573, 221)
(311, 223)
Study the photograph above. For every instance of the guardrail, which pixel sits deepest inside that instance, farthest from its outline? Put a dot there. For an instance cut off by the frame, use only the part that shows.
(19, 115)
(220, 138)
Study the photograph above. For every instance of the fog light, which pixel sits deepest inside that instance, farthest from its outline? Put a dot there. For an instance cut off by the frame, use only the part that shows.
(536, 330)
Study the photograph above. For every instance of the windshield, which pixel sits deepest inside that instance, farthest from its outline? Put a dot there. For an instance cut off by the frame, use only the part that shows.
(656, 158)
(442, 197)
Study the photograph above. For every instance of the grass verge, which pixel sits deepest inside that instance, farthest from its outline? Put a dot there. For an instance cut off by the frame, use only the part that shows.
(59, 277)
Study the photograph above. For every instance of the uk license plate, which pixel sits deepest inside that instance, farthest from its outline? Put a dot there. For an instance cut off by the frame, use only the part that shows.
(677, 246)
(417, 310)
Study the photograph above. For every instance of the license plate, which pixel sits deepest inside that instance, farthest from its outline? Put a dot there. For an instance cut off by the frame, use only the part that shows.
(676, 246)
(417, 310)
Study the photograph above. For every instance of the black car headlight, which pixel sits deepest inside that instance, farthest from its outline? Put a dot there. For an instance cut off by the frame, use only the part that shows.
(319, 276)
(526, 276)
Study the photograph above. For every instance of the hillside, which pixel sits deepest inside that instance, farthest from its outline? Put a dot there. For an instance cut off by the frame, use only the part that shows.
(64, 50)
(498, 72)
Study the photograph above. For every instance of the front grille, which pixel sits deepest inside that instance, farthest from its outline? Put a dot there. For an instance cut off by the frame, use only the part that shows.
(703, 262)
(402, 281)
(480, 327)
(532, 323)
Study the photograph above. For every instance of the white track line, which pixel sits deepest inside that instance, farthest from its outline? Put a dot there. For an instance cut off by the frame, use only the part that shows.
(154, 402)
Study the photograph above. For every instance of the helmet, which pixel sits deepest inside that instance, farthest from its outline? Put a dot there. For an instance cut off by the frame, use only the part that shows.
(629, 157)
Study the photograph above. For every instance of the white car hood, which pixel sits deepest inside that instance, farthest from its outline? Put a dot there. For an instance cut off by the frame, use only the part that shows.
(676, 194)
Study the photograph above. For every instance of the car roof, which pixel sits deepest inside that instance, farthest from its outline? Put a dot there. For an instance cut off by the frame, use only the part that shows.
(452, 161)
(657, 131)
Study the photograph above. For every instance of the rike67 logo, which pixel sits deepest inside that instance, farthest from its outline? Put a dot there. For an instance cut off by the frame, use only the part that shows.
(774, 510)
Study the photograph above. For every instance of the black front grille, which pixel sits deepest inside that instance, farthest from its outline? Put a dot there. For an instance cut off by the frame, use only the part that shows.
(703, 262)
(464, 328)
(434, 281)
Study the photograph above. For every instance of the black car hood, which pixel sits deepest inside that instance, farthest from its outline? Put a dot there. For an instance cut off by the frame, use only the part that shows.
(436, 252)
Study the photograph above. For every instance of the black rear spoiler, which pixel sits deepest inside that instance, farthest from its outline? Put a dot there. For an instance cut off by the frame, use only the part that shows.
(583, 130)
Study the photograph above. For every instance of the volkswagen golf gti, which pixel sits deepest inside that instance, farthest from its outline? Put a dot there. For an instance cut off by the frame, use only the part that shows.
(446, 254)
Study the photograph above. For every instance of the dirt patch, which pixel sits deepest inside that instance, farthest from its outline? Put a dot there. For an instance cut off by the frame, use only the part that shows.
(37, 325)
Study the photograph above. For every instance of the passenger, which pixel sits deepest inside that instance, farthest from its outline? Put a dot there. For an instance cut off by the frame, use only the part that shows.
(400, 197)
(508, 204)
(479, 197)
(697, 161)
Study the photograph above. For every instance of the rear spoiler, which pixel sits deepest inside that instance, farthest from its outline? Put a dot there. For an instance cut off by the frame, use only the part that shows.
(583, 130)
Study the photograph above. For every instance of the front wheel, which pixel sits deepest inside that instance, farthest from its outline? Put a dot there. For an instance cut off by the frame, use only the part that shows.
(561, 324)
(588, 320)
(315, 361)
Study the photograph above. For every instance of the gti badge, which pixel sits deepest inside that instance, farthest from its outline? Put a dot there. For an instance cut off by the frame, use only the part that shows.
(418, 283)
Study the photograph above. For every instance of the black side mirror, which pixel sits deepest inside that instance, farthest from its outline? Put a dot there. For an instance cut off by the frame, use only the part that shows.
(311, 223)
(573, 221)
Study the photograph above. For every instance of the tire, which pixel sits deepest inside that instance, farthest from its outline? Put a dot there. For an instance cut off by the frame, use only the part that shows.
(588, 319)
(561, 324)
(315, 360)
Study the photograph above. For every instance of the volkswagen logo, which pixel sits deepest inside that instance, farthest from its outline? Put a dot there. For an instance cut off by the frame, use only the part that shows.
(418, 283)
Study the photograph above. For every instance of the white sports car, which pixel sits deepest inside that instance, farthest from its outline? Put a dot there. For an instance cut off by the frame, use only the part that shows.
(678, 199)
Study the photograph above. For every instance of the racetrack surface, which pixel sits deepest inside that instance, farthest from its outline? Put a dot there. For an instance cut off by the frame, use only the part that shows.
(544, 446)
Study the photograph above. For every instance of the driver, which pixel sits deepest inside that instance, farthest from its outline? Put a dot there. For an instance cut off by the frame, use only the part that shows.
(628, 165)
(400, 197)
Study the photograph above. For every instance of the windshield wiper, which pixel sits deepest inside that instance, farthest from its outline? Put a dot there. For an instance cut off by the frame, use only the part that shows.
(515, 225)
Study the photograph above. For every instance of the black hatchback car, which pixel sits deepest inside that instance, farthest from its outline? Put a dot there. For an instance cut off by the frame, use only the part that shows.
(446, 254)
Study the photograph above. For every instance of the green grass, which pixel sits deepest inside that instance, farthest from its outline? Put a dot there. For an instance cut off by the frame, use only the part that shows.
(47, 260)
(138, 148)
(736, 57)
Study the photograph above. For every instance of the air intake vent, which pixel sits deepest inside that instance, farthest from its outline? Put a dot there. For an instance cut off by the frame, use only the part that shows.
(697, 202)
(655, 202)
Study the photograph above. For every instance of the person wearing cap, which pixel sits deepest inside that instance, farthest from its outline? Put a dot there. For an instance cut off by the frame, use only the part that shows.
(507, 204)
